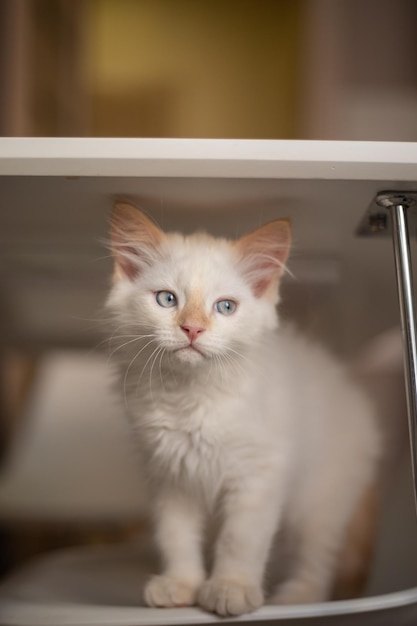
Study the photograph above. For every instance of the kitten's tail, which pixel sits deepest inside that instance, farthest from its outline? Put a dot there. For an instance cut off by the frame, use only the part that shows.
(358, 547)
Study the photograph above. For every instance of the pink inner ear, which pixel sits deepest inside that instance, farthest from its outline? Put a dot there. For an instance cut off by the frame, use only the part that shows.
(128, 262)
(263, 255)
(134, 240)
(126, 256)
(265, 267)
(260, 286)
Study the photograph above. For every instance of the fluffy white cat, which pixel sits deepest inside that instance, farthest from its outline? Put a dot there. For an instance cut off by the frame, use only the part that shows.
(244, 427)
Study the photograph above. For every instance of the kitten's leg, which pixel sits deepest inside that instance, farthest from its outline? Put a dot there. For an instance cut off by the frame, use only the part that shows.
(250, 521)
(179, 528)
(318, 565)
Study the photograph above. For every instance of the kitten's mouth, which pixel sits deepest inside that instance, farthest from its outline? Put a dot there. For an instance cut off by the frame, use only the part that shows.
(189, 347)
(189, 353)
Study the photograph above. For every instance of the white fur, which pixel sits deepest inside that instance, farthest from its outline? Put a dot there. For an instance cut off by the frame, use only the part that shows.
(259, 431)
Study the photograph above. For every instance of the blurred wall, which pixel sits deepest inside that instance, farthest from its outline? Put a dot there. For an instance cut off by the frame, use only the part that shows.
(359, 70)
(276, 69)
(150, 68)
(193, 69)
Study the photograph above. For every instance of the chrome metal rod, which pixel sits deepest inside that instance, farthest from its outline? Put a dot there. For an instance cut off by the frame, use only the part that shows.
(403, 270)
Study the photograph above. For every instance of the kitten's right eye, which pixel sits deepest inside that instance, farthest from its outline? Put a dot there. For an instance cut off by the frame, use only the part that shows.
(166, 299)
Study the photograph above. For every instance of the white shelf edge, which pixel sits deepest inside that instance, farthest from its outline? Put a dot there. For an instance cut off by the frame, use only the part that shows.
(207, 158)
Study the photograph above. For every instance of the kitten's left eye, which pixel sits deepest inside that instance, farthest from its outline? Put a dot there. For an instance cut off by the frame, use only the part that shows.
(225, 307)
(166, 299)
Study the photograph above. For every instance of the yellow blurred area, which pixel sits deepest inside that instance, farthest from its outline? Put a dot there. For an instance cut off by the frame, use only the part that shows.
(193, 69)
(150, 68)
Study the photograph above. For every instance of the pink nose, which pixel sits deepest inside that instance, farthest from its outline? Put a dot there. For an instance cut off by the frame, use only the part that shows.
(192, 331)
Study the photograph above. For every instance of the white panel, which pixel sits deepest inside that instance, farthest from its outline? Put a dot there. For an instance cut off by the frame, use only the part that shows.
(209, 158)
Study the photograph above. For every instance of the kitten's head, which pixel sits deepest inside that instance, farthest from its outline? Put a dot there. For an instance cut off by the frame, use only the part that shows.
(195, 296)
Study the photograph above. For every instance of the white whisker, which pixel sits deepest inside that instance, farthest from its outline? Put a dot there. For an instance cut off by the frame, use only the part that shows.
(220, 368)
(130, 365)
(107, 339)
(234, 362)
(161, 355)
(123, 345)
(144, 367)
(239, 354)
(160, 348)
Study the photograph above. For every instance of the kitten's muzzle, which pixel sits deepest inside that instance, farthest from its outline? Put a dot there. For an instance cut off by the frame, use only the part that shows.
(192, 332)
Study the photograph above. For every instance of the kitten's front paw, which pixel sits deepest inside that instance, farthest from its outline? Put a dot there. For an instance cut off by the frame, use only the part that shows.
(229, 597)
(164, 591)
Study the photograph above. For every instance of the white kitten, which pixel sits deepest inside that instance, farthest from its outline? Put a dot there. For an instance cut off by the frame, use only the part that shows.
(242, 425)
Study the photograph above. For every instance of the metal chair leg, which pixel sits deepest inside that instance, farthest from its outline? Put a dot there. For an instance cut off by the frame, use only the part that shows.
(403, 267)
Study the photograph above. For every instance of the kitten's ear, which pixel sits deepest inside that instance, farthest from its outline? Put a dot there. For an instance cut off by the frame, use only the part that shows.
(134, 240)
(262, 256)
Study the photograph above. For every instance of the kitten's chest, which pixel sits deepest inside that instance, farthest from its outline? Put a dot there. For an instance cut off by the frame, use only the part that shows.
(186, 440)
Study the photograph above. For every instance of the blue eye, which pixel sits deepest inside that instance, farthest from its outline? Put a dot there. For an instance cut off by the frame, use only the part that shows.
(225, 307)
(166, 299)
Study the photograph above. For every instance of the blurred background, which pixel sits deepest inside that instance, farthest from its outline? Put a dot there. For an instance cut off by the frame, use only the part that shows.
(270, 69)
(277, 69)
